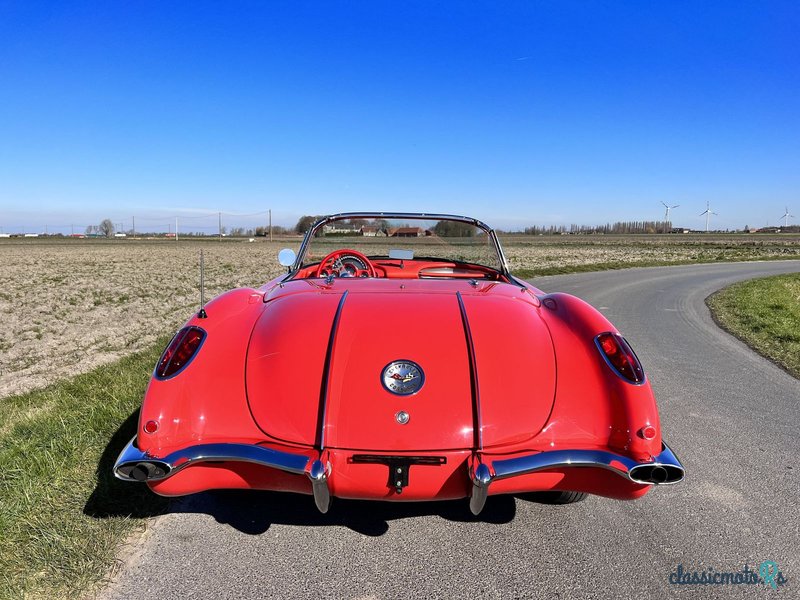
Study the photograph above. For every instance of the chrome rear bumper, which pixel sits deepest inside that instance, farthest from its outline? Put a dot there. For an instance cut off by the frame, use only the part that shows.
(663, 469)
(135, 465)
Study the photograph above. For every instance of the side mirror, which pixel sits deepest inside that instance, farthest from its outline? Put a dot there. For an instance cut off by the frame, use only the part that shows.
(286, 257)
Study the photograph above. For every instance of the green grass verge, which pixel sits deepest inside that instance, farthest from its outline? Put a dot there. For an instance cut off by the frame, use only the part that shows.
(765, 314)
(63, 516)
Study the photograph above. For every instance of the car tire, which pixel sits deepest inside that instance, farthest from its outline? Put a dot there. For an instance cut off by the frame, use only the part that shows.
(555, 497)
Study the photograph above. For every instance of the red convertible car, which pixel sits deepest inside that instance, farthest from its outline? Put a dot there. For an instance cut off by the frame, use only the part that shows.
(399, 359)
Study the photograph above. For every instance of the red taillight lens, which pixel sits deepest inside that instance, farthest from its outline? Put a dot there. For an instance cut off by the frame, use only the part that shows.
(620, 356)
(151, 427)
(180, 351)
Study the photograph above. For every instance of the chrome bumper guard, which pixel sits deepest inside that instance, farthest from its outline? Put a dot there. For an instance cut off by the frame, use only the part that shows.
(662, 470)
(135, 465)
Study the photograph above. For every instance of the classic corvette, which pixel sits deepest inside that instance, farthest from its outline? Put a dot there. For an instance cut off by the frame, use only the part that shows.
(398, 359)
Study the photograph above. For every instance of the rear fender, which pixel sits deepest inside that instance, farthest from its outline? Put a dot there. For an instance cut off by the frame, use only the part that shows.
(593, 404)
(206, 401)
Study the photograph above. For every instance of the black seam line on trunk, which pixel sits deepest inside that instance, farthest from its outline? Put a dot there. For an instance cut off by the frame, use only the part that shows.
(323, 392)
(477, 428)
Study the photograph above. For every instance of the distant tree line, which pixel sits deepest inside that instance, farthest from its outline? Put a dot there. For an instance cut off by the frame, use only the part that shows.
(453, 229)
(305, 222)
(621, 227)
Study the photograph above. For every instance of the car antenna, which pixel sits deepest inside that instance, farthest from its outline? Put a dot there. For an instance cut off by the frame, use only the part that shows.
(202, 314)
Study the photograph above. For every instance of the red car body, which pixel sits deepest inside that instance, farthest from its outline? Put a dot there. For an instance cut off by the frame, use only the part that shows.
(505, 389)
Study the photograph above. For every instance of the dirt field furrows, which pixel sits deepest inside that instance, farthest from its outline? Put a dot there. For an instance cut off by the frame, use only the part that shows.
(69, 307)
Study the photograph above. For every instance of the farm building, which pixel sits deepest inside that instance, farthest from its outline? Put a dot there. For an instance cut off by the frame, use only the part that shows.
(407, 232)
(372, 231)
(333, 230)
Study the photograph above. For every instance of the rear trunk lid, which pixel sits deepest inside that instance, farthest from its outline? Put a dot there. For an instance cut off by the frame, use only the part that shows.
(316, 362)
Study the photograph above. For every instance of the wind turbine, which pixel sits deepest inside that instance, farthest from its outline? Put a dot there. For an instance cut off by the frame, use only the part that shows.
(708, 212)
(666, 214)
(786, 216)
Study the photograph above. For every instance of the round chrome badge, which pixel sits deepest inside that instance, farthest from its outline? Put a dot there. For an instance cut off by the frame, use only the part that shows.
(402, 377)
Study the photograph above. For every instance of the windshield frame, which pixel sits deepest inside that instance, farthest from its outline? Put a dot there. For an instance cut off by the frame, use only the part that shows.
(319, 223)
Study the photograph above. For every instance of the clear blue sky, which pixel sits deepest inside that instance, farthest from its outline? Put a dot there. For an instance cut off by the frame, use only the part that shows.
(514, 112)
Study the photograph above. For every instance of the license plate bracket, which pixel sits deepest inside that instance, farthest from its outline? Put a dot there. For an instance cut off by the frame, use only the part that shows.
(399, 466)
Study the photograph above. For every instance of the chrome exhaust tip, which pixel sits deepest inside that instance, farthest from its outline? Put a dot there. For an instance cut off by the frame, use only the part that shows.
(142, 470)
(657, 474)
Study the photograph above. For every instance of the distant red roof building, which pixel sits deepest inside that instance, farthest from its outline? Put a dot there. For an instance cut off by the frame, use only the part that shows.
(408, 232)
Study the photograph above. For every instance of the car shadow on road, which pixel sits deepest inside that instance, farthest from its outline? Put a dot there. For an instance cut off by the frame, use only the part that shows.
(253, 512)
(115, 498)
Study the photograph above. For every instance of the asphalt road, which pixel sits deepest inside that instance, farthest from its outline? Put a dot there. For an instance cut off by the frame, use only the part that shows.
(731, 416)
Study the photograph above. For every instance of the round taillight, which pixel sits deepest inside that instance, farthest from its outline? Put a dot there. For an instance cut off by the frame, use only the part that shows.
(151, 427)
(180, 352)
(648, 432)
(620, 356)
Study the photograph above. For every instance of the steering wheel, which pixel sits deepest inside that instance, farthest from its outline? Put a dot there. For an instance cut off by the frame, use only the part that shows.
(345, 263)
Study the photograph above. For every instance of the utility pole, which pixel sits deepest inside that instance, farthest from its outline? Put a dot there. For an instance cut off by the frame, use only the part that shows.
(176, 229)
(219, 215)
(133, 226)
(72, 230)
(270, 224)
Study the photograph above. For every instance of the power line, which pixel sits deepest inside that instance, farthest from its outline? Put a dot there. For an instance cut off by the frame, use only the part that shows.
(150, 223)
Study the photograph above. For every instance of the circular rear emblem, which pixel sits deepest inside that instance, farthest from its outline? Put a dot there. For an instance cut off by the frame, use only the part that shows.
(402, 377)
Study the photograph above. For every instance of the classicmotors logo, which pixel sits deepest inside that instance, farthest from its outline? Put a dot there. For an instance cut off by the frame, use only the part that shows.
(766, 574)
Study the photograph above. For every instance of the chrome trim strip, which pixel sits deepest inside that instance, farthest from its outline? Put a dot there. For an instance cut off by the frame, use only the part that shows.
(180, 459)
(322, 414)
(398, 215)
(477, 424)
(623, 466)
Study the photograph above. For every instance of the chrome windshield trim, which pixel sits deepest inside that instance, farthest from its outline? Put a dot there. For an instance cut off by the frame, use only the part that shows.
(298, 263)
(131, 457)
